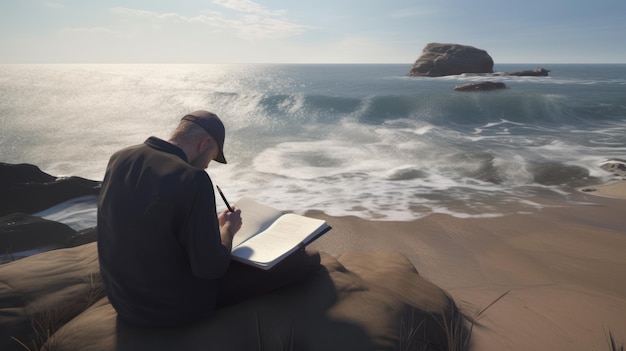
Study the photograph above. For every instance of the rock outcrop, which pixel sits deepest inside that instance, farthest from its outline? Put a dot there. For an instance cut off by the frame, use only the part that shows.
(481, 86)
(537, 72)
(438, 60)
(616, 166)
(25, 188)
(20, 234)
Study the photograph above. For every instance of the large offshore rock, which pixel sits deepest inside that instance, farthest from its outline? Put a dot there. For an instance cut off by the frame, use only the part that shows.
(439, 60)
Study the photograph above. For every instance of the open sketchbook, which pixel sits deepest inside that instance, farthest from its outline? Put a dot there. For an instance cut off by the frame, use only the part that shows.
(268, 235)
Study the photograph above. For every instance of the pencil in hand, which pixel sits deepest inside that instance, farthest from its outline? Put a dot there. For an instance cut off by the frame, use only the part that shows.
(230, 209)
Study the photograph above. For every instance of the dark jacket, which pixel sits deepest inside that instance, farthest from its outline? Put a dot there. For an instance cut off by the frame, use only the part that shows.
(158, 236)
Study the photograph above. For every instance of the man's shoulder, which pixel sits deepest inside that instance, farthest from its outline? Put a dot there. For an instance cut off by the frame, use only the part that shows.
(144, 151)
(162, 164)
(129, 150)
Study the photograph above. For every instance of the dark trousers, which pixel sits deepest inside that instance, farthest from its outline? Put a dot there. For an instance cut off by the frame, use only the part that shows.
(242, 281)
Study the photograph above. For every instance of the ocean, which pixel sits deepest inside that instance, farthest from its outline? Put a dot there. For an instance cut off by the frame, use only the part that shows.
(350, 140)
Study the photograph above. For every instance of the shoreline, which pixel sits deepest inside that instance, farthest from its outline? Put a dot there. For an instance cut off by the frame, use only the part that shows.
(562, 268)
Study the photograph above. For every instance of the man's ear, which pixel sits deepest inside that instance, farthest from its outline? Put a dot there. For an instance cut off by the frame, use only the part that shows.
(204, 143)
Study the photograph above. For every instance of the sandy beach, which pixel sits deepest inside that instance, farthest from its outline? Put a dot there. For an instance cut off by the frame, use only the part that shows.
(563, 269)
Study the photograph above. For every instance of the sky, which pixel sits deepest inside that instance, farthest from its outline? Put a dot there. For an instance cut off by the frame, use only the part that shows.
(316, 31)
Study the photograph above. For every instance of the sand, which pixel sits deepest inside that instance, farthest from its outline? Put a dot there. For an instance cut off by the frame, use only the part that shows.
(562, 270)
(558, 277)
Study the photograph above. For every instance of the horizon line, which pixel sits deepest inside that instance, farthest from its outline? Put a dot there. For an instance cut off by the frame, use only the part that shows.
(291, 63)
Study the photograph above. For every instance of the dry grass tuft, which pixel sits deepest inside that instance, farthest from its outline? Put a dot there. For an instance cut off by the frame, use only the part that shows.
(45, 323)
(613, 346)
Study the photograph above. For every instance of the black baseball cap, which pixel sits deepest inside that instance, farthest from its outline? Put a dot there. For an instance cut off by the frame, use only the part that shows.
(213, 125)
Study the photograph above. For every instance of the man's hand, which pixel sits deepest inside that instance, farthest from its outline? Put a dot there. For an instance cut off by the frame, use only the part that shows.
(230, 223)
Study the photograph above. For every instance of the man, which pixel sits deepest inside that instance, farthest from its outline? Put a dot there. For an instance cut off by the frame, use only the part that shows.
(164, 252)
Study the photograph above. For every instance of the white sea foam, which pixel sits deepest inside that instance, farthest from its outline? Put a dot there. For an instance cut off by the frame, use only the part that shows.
(78, 213)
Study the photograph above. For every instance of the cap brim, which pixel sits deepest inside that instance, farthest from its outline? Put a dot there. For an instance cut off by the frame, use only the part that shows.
(220, 158)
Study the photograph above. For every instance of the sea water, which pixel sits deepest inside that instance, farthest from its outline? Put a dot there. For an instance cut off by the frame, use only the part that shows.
(360, 140)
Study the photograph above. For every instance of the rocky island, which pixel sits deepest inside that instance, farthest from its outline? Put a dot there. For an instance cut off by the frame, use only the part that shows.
(441, 59)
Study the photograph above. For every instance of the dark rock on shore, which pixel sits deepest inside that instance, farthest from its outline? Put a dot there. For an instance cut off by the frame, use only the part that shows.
(20, 232)
(482, 86)
(25, 188)
(439, 59)
(83, 237)
(22, 235)
(615, 166)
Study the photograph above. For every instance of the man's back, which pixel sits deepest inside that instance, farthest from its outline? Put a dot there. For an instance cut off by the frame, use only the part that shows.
(158, 236)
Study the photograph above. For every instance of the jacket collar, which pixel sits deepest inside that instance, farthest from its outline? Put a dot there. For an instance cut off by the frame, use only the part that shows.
(164, 146)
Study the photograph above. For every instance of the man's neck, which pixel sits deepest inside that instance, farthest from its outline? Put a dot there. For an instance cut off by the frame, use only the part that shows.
(189, 153)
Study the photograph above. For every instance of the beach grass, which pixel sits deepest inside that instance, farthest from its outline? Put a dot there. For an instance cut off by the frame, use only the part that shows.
(44, 326)
(457, 336)
(613, 346)
(46, 323)
(477, 316)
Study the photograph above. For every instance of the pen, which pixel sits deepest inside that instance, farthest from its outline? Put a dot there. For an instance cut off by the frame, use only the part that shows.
(224, 198)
